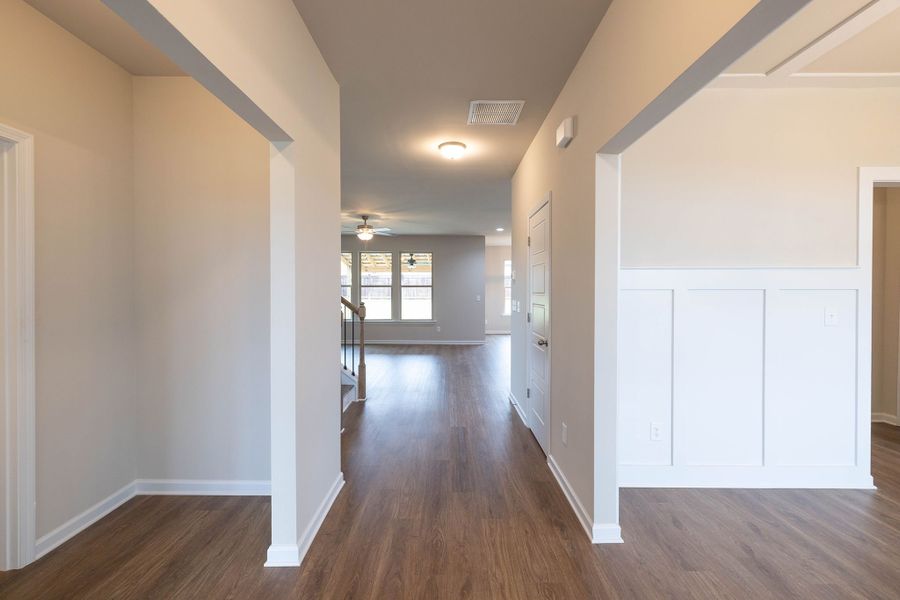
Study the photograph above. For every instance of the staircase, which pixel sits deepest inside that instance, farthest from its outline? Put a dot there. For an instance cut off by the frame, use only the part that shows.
(353, 351)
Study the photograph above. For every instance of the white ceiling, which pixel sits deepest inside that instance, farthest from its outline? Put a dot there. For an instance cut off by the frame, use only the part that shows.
(103, 30)
(828, 43)
(408, 70)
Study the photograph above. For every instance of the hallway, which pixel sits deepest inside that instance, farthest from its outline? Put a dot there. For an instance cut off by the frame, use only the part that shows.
(448, 496)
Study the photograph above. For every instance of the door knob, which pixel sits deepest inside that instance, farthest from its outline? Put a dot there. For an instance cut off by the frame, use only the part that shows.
(543, 343)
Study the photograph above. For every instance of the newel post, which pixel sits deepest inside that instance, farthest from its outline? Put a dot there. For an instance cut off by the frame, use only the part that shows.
(361, 370)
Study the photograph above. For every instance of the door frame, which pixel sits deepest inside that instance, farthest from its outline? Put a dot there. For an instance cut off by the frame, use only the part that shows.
(17, 370)
(546, 200)
(869, 177)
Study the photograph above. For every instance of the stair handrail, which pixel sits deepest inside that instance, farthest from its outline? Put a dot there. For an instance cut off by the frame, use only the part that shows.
(360, 313)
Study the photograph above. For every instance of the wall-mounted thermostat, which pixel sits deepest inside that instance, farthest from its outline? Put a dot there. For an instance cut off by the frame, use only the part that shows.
(565, 132)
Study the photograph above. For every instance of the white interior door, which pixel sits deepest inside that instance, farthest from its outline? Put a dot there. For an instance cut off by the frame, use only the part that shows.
(538, 394)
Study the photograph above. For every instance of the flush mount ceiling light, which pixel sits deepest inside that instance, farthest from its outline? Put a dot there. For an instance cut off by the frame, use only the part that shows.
(499, 229)
(452, 150)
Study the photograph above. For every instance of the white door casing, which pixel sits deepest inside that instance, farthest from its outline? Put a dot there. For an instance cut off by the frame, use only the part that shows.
(17, 401)
(537, 399)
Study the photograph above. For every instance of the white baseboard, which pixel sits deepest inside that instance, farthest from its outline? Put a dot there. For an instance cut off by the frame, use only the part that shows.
(607, 533)
(598, 533)
(793, 477)
(147, 487)
(291, 555)
(425, 342)
(885, 418)
(518, 407)
(79, 523)
(283, 555)
(202, 487)
(312, 529)
(496, 332)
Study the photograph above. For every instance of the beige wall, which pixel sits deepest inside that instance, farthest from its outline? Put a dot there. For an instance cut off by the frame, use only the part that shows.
(639, 49)
(459, 287)
(77, 104)
(265, 52)
(202, 285)
(494, 319)
(763, 177)
(886, 301)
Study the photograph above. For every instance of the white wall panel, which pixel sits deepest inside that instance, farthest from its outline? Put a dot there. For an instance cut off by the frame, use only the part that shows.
(758, 371)
(719, 383)
(811, 393)
(645, 377)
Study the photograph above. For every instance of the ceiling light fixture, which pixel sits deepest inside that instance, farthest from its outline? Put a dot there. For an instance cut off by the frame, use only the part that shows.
(499, 229)
(452, 150)
(365, 232)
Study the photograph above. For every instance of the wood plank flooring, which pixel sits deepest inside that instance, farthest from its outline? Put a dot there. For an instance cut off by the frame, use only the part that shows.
(448, 496)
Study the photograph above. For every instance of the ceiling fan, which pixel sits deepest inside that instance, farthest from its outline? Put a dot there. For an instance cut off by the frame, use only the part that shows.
(366, 232)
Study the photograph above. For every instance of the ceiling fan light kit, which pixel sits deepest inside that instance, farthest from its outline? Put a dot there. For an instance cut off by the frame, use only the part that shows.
(366, 232)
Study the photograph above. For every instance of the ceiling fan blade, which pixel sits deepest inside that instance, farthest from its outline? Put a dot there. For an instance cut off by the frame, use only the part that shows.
(382, 229)
(384, 233)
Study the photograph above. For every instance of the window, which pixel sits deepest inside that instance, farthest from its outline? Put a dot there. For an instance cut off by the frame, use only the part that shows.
(347, 279)
(375, 280)
(415, 285)
(347, 275)
(507, 288)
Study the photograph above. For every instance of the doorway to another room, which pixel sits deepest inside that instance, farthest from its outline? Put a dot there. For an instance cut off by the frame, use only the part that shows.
(885, 316)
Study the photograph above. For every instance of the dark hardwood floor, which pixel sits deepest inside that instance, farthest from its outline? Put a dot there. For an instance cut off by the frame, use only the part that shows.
(448, 496)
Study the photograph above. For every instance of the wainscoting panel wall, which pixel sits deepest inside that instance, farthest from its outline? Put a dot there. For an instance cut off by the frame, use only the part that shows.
(743, 378)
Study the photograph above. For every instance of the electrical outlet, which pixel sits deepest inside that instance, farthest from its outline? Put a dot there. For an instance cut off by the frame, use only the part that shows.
(478, 298)
(438, 328)
(832, 317)
(565, 434)
(655, 431)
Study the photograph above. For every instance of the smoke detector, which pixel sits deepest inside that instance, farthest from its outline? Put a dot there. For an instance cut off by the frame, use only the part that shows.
(495, 112)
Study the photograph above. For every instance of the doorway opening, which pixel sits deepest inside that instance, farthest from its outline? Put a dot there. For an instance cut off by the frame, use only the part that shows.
(885, 311)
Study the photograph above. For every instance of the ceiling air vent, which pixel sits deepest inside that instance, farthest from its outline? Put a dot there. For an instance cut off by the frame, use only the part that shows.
(495, 112)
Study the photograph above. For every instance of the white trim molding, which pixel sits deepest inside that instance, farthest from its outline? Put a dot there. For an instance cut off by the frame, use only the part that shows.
(290, 555)
(598, 533)
(518, 407)
(886, 418)
(746, 477)
(201, 487)
(80, 522)
(607, 260)
(496, 332)
(283, 555)
(147, 487)
(17, 398)
(309, 535)
(789, 72)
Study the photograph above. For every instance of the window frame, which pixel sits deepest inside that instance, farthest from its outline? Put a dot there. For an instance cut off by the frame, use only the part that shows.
(389, 286)
(430, 286)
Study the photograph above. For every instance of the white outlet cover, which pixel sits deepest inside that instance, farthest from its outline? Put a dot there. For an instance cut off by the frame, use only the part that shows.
(655, 431)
